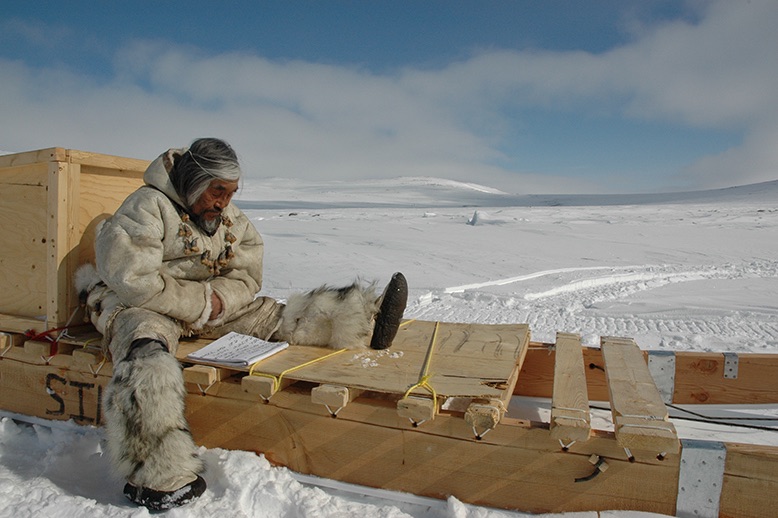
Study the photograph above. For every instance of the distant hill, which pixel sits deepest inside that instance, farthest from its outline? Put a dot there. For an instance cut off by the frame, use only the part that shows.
(436, 192)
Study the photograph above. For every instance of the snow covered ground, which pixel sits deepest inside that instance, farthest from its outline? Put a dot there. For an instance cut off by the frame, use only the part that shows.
(684, 271)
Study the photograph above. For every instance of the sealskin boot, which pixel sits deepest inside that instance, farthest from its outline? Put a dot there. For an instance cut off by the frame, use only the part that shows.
(161, 500)
(387, 321)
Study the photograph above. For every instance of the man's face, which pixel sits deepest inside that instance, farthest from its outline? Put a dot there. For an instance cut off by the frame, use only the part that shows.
(208, 208)
(213, 201)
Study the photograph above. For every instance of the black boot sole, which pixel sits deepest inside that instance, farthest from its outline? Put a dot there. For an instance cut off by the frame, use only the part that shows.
(387, 321)
(163, 500)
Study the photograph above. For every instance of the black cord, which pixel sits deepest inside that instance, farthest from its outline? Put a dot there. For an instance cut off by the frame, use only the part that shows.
(707, 419)
(712, 420)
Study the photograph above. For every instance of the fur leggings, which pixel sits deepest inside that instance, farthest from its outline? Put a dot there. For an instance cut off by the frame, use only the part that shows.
(147, 435)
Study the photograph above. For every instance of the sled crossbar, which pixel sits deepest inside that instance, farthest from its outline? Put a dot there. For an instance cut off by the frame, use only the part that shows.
(639, 415)
(570, 417)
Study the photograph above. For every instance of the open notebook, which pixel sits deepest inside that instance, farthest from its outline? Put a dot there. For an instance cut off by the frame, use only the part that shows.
(235, 349)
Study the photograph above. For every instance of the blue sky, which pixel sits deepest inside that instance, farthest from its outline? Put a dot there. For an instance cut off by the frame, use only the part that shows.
(526, 96)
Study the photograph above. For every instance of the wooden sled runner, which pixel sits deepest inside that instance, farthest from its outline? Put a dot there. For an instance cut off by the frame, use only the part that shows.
(430, 416)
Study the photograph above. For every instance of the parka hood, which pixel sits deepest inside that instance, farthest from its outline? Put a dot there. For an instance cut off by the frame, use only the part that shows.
(157, 175)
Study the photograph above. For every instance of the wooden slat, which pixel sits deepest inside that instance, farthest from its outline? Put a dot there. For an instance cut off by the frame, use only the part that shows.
(639, 415)
(570, 418)
(32, 157)
(699, 377)
(537, 375)
(112, 162)
(63, 237)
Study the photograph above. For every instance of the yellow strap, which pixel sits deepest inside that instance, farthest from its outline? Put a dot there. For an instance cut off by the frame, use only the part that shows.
(277, 379)
(425, 377)
(86, 342)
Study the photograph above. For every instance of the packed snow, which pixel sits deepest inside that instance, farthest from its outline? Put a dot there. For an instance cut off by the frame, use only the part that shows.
(681, 271)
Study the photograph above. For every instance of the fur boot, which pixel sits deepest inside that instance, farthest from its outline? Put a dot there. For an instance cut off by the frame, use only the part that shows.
(341, 318)
(148, 438)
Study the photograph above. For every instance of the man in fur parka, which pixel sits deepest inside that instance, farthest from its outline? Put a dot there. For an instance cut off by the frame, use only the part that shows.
(178, 258)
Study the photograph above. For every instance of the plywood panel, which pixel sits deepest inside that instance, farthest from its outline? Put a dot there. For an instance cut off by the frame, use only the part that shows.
(467, 360)
(23, 241)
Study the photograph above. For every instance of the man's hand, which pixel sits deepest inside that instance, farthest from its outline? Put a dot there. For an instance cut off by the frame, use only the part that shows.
(216, 306)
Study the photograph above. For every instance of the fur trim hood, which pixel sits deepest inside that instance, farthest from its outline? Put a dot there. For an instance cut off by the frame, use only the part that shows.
(158, 174)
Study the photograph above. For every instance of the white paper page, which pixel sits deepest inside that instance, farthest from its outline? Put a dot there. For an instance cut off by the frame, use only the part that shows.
(236, 348)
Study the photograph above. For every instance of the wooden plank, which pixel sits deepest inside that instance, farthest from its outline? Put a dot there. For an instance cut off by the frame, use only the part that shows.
(27, 175)
(570, 418)
(750, 475)
(24, 243)
(102, 191)
(33, 157)
(58, 154)
(111, 162)
(537, 374)
(370, 444)
(699, 377)
(23, 355)
(51, 391)
(63, 238)
(639, 415)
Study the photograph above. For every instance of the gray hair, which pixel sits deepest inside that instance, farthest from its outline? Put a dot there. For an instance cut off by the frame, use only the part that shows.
(206, 159)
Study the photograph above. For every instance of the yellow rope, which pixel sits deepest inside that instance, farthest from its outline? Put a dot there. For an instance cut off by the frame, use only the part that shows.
(425, 377)
(86, 342)
(423, 383)
(277, 379)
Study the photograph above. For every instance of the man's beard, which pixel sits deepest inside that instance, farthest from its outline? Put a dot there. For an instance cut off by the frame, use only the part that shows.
(210, 226)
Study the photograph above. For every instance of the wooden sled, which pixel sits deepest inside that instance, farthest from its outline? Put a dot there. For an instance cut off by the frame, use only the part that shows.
(429, 416)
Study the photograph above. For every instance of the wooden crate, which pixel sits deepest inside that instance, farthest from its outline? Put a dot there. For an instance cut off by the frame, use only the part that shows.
(51, 200)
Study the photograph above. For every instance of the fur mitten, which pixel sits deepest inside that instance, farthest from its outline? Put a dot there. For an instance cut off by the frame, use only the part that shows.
(100, 300)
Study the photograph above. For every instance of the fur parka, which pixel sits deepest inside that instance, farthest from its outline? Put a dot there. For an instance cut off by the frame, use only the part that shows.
(152, 256)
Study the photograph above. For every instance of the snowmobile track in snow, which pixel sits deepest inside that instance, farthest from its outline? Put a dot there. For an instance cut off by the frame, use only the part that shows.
(569, 298)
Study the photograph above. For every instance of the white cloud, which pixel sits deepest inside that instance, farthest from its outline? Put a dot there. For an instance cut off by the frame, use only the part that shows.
(300, 119)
